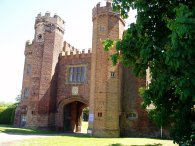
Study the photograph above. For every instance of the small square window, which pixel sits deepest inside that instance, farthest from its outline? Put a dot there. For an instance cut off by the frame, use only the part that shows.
(102, 28)
(132, 116)
(99, 114)
(112, 74)
(39, 36)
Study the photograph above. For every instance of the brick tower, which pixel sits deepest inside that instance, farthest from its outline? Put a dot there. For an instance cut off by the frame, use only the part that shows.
(105, 78)
(48, 32)
(41, 56)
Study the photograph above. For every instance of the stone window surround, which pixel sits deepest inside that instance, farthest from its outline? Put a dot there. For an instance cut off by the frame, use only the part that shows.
(112, 74)
(26, 92)
(23, 117)
(133, 115)
(75, 73)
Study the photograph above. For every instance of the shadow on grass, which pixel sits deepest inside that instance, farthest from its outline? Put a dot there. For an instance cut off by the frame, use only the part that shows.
(12, 130)
(27, 131)
(119, 144)
(5, 125)
(116, 144)
(155, 144)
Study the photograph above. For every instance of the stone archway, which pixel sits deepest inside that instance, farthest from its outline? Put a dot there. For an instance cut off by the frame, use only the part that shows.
(68, 118)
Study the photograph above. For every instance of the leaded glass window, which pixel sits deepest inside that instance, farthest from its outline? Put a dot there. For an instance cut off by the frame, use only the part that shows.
(76, 73)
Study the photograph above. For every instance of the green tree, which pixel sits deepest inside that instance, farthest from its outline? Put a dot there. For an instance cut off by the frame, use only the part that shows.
(7, 112)
(5, 104)
(163, 39)
(18, 98)
(86, 114)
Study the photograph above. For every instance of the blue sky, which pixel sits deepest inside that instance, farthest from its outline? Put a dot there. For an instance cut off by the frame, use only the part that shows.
(17, 26)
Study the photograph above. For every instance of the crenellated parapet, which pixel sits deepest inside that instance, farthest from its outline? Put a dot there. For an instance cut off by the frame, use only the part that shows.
(99, 10)
(50, 23)
(70, 51)
(79, 55)
(105, 10)
(28, 47)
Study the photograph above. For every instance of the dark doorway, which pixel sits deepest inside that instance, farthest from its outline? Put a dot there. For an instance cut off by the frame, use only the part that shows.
(73, 116)
(67, 118)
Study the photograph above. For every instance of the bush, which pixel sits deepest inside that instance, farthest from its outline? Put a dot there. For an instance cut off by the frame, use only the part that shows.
(7, 114)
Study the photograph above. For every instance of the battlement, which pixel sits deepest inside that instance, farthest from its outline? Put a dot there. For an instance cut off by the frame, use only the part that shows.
(79, 54)
(47, 20)
(28, 48)
(71, 51)
(101, 9)
(29, 43)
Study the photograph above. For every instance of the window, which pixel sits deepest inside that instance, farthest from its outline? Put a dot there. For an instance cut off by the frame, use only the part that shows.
(132, 116)
(26, 92)
(39, 36)
(28, 70)
(112, 74)
(23, 117)
(76, 73)
(102, 28)
(99, 114)
(23, 120)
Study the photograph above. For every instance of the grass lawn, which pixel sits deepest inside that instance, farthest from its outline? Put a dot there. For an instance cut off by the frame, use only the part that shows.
(89, 141)
(82, 140)
(10, 129)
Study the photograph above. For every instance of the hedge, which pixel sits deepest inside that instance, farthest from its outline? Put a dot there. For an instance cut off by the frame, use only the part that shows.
(7, 114)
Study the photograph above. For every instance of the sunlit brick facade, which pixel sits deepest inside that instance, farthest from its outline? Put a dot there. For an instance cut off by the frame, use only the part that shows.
(59, 81)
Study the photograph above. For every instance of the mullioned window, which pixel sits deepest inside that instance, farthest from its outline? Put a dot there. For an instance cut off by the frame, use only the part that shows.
(76, 73)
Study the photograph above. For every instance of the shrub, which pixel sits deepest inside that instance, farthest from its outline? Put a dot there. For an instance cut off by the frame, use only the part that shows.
(7, 114)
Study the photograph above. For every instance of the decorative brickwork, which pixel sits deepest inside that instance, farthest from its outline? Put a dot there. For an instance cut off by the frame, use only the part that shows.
(59, 81)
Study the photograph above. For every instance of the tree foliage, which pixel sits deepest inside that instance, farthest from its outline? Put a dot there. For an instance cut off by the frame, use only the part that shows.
(86, 114)
(163, 39)
(7, 112)
(18, 98)
(5, 104)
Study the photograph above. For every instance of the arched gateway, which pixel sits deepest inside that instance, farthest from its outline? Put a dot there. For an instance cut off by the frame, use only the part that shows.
(69, 115)
(59, 81)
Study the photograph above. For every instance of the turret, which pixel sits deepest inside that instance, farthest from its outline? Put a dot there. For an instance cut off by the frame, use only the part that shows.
(105, 81)
(47, 23)
(41, 57)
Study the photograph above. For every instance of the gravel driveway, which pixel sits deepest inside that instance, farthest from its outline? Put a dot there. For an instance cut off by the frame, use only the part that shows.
(6, 138)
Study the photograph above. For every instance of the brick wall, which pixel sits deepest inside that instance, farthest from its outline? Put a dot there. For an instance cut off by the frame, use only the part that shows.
(133, 120)
(64, 88)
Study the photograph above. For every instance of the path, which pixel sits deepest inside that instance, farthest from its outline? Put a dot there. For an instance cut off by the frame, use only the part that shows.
(6, 138)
